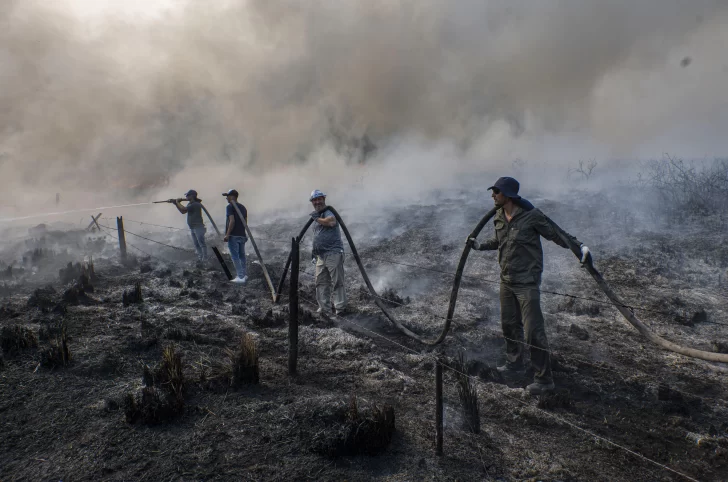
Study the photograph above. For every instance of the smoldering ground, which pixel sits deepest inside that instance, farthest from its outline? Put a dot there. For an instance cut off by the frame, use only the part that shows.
(101, 100)
(610, 380)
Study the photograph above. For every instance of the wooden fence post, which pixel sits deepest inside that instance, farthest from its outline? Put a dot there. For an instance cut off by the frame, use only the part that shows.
(122, 238)
(438, 407)
(293, 309)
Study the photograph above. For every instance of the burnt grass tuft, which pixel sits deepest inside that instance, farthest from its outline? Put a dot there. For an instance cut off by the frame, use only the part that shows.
(84, 272)
(42, 298)
(16, 338)
(162, 397)
(352, 430)
(134, 296)
(58, 353)
(244, 362)
(468, 394)
(237, 369)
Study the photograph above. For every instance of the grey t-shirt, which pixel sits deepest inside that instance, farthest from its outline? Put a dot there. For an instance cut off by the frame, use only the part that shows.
(194, 214)
(327, 239)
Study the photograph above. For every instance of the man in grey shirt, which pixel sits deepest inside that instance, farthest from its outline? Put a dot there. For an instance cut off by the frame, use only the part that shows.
(328, 251)
(194, 221)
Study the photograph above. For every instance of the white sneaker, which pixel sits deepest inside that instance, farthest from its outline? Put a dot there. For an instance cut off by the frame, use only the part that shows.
(239, 280)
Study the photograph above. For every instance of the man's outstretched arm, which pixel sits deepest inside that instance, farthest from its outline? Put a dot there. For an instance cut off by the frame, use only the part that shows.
(551, 231)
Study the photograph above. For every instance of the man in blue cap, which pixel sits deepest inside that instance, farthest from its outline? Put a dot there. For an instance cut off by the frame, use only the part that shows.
(518, 231)
(328, 250)
(194, 221)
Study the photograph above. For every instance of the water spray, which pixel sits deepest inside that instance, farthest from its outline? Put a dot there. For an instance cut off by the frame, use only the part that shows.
(60, 213)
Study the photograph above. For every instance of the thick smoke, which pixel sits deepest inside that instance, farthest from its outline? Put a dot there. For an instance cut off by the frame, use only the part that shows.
(301, 93)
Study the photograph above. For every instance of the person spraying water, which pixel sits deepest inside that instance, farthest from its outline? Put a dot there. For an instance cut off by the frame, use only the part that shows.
(193, 210)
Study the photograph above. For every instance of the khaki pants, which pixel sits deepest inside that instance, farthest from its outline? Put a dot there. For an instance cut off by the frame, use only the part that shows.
(330, 273)
(521, 312)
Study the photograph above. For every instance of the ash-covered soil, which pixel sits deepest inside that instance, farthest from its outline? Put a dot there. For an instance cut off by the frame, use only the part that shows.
(74, 419)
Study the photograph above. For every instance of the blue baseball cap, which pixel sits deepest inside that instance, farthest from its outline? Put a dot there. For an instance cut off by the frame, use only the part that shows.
(191, 192)
(508, 186)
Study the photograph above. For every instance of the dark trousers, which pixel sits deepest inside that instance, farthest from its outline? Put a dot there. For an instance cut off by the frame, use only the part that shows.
(521, 313)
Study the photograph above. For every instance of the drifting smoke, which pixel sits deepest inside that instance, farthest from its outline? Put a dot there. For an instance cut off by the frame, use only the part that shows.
(286, 88)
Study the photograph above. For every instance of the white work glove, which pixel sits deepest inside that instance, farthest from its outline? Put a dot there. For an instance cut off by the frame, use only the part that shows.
(585, 253)
(474, 243)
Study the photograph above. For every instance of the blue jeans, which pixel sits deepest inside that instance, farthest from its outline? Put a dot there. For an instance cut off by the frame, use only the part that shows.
(236, 245)
(198, 238)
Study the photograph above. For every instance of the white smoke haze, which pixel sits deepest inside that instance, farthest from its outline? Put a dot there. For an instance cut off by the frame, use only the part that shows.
(278, 97)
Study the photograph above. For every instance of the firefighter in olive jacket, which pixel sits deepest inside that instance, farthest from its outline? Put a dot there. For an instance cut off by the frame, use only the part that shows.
(518, 231)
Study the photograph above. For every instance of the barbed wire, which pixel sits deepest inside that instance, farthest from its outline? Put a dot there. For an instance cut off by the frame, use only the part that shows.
(444, 318)
(435, 270)
(151, 240)
(521, 342)
(139, 249)
(498, 282)
(478, 380)
(152, 224)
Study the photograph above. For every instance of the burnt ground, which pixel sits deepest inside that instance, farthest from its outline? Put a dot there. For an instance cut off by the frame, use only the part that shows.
(69, 422)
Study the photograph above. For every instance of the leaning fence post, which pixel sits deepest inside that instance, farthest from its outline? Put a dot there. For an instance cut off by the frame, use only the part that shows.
(293, 309)
(122, 238)
(438, 407)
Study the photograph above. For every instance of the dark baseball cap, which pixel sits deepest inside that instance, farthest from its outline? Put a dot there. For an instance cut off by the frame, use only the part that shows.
(231, 192)
(508, 186)
(191, 192)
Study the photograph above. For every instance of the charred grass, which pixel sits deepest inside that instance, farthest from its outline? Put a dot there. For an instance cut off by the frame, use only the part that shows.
(162, 398)
(229, 409)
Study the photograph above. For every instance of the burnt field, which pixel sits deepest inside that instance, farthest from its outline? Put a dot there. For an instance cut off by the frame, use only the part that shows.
(159, 369)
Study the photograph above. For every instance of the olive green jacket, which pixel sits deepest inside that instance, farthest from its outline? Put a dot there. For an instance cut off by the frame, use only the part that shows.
(520, 254)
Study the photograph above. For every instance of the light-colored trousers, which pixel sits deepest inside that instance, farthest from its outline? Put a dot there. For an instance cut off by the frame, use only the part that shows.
(330, 274)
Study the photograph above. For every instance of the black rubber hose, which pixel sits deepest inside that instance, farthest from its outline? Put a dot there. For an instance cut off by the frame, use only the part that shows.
(453, 293)
(288, 262)
(210, 218)
(601, 282)
(459, 273)
(629, 314)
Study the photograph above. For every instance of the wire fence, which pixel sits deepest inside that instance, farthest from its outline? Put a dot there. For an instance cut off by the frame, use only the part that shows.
(476, 380)
(632, 308)
(436, 315)
(522, 402)
(436, 359)
(530, 346)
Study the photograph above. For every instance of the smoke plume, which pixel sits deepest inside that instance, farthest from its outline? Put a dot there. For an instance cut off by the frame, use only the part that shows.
(97, 96)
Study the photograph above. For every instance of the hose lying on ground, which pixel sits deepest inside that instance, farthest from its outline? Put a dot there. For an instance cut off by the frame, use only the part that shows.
(629, 314)
(601, 282)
